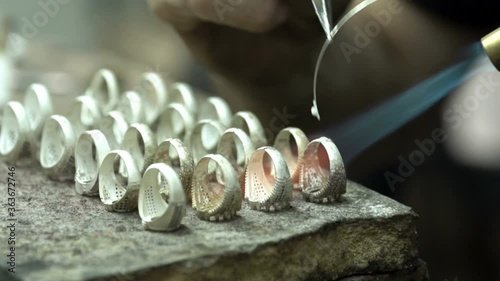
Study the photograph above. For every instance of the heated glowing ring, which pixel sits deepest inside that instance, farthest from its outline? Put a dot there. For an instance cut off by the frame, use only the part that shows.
(14, 140)
(104, 89)
(57, 148)
(291, 143)
(268, 184)
(157, 213)
(174, 153)
(139, 140)
(90, 150)
(175, 122)
(248, 122)
(323, 176)
(217, 109)
(216, 190)
(113, 126)
(119, 190)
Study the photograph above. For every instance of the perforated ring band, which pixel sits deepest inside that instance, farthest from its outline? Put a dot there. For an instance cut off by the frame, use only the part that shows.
(119, 191)
(113, 126)
(90, 150)
(104, 89)
(174, 153)
(291, 143)
(268, 185)
(57, 149)
(14, 140)
(235, 145)
(131, 105)
(248, 122)
(204, 138)
(175, 122)
(154, 95)
(216, 190)
(217, 109)
(84, 114)
(323, 177)
(156, 213)
(140, 142)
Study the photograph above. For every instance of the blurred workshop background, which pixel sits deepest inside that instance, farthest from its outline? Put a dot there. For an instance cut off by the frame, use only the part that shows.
(456, 189)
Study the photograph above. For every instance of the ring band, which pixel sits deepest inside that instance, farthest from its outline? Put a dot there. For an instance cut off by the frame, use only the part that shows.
(268, 185)
(119, 191)
(90, 150)
(156, 213)
(113, 126)
(38, 106)
(14, 140)
(323, 176)
(292, 152)
(57, 149)
(104, 89)
(250, 124)
(237, 147)
(154, 95)
(132, 106)
(175, 122)
(216, 189)
(140, 142)
(174, 153)
(184, 94)
(216, 108)
(204, 138)
(84, 114)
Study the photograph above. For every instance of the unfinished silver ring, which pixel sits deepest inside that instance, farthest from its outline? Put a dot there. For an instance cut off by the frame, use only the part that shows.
(104, 89)
(204, 138)
(113, 126)
(216, 108)
(38, 106)
(15, 137)
(175, 122)
(131, 105)
(250, 124)
(84, 114)
(184, 94)
(291, 143)
(139, 141)
(154, 93)
(323, 176)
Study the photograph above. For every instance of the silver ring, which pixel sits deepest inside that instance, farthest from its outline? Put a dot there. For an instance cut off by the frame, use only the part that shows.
(38, 107)
(119, 190)
(57, 149)
(132, 106)
(237, 147)
(90, 150)
(217, 109)
(291, 143)
(157, 213)
(250, 124)
(268, 185)
(140, 142)
(216, 189)
(183, 93)
(84, 114)
(104, 89)
(204, 138)
(113, 126)
(323, 176)
(175, 122)
(174, 153)
(154, 92)
(14, 140)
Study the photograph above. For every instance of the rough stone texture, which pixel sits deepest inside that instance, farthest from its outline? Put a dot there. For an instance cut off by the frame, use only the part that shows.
(64, 236)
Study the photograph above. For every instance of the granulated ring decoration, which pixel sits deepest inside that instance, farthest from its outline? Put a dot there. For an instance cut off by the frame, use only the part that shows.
(140, 142)
(237, 147)
(217, 109)
(119, 191)
(131, 105)
(157, 213)
(57, 149)
(216, 189)
(84, 114)
(90, 150)
(323, 176)
(184, 94)
(291, 143)
(15, 138)
(104, 89)
(268, 185)
(174, 153)
(113, 126)
(204, 138)
(250, 124)
(154, 93)
(175, 122)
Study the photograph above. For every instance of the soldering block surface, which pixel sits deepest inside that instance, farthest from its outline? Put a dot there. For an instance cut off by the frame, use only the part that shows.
(61, 235)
